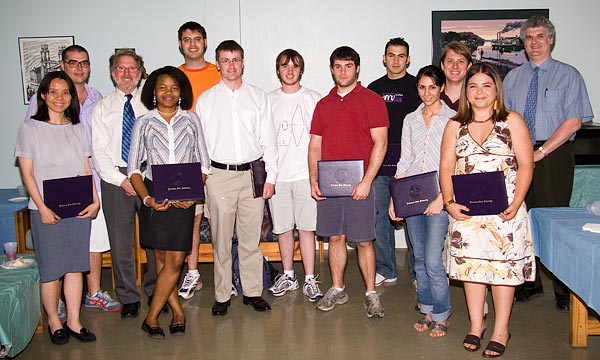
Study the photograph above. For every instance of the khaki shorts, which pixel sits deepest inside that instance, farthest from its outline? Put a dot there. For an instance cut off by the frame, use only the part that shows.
(99, 234)
(292, 204)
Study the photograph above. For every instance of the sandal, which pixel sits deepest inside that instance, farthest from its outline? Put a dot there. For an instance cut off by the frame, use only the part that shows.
(495, 347)
(473, 340)
(424, 321)
(438, 327)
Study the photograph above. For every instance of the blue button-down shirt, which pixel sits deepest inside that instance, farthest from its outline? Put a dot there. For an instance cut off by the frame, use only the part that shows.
(561, 94)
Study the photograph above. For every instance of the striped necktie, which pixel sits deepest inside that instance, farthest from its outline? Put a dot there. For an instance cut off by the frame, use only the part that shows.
(531, 103)
(128, 120)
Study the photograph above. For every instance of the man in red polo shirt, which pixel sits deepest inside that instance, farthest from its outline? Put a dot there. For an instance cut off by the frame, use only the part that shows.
(350, 123)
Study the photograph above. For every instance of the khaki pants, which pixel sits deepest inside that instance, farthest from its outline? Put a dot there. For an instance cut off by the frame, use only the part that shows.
(231, 203)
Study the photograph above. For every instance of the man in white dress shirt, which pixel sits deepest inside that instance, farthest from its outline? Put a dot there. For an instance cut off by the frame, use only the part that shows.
(238, 129)
(119, 199)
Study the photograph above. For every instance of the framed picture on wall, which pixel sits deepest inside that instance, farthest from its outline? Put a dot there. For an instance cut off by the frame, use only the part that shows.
(492, 35)
(39, 56)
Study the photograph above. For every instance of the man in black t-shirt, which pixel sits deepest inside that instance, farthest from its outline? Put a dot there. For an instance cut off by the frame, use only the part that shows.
(399, 91)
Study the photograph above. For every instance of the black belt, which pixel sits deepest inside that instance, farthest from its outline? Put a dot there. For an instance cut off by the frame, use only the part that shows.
(238, 167)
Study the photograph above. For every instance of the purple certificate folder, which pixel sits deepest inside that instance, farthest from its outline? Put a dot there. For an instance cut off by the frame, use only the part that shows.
(337, 178)
(177, 182)
(67, 197)
(259, 177)
(483, 193)
(390, 161)
(412, 194)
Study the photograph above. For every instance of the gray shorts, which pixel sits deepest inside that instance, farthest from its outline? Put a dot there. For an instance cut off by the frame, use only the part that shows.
(355, 218)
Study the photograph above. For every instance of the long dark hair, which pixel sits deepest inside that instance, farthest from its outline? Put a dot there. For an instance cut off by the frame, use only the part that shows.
(465, 113)
(71, 112)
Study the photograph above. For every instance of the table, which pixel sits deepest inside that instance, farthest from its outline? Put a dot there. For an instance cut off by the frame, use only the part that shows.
(573, 255)
(19, 306)
(7, 211)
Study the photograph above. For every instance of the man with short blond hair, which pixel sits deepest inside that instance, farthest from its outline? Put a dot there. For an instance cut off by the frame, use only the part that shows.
(223, 109)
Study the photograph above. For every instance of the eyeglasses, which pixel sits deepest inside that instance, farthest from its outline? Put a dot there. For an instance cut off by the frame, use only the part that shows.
(74, 63)
(122, 69)
(234, 61)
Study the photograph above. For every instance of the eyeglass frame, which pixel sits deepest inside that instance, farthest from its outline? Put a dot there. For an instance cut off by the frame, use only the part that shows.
(73, 64)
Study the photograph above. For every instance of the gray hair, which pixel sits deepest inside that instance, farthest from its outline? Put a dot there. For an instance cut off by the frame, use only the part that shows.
(539, 21)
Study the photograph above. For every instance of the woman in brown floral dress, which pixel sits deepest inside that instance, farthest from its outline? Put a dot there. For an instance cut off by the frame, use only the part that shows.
(487, 250)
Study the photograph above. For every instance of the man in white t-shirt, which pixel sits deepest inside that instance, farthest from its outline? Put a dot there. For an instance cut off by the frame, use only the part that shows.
(292, 107)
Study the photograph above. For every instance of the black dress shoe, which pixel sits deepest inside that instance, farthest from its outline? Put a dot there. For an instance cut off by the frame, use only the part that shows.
(177, 329)
(257, 302)
(130, 311)
(220, 308)
(153, 332)
(165, 308)
(84, 335)
(59, 337)
(526, 294)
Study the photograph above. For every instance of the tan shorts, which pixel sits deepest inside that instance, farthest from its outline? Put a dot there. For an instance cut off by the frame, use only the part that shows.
(292, 204)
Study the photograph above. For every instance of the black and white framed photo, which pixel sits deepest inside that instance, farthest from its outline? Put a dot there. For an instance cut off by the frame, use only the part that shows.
(39, 56)
(492, 35)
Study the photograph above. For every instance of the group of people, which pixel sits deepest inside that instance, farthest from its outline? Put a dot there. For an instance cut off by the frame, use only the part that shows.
(455, 119)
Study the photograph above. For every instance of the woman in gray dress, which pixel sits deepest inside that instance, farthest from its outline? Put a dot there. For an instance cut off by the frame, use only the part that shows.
(53, 144)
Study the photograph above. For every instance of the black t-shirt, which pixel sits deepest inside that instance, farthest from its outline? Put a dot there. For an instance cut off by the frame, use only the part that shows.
(401, 98)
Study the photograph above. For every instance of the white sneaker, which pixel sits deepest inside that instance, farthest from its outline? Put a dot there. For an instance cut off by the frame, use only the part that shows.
(190, 284)
(283, 284)
(380, 280)
(311, 289)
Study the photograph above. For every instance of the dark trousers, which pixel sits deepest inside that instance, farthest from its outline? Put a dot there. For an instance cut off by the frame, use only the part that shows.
(119, 211)
(551, 186)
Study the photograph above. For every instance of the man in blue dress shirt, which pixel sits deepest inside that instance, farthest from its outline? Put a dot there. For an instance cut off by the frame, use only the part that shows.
(553, 100)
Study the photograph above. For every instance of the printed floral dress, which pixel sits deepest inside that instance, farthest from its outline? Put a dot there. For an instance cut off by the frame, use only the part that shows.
(486, 249)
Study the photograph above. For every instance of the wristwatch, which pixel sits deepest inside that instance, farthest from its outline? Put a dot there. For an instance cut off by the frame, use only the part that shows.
(542, 150)
(448, 203)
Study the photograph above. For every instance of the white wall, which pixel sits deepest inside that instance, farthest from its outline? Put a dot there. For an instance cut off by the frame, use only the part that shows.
(264, 27)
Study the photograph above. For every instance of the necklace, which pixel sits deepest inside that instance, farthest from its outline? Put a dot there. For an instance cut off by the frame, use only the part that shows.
(481, 121)
(167, 113)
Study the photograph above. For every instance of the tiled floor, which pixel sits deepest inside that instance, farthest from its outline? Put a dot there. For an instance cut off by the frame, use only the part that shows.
(294, 329)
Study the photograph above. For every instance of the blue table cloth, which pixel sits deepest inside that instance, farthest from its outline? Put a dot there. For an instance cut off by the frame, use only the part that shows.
(19, 305)
(7, 215)
(569, 252)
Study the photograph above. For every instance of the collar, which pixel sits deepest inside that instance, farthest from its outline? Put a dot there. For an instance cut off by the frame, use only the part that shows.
(543, 66)
(357, 89)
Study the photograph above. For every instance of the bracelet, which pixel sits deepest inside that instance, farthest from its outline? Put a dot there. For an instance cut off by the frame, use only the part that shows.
(448, 203)
(144, 200)
(542, 150)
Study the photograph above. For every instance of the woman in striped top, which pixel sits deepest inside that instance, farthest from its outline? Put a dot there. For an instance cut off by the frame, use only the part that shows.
(420, 153)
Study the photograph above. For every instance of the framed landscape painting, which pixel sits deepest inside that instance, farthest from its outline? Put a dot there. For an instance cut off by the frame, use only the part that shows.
(491, 35)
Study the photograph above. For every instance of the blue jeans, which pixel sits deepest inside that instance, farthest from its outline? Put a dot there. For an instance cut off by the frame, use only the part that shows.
(385, 244)
(427, 236)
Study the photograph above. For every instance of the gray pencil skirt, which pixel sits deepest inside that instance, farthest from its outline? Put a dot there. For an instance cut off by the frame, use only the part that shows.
(61, 248)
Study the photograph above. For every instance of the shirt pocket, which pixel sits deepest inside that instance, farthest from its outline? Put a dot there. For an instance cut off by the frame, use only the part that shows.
(553, 99)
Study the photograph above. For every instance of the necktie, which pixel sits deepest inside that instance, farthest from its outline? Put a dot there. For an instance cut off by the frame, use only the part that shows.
(128, 120)
(531, 103)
